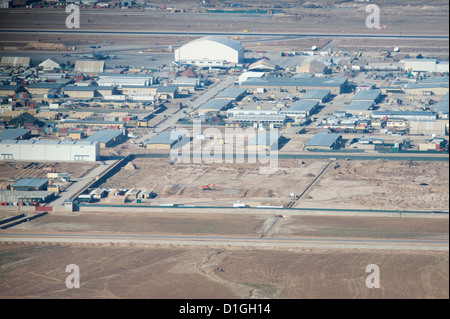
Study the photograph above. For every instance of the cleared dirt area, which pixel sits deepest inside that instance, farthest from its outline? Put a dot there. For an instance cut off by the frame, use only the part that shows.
(381, 184)
(39, 170)
(150, 223)
(377, 184)
(117, 271)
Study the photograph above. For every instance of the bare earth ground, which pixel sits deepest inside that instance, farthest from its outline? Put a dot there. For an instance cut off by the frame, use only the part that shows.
(379, 184)
(119, 271)
(36, 170)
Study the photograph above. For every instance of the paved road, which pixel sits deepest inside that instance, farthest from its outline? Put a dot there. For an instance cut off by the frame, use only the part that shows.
(274, 34)
(171, 121)
(335, 243)
(80, 183)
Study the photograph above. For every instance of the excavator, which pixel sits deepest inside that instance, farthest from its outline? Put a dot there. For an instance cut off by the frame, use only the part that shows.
(209, 187)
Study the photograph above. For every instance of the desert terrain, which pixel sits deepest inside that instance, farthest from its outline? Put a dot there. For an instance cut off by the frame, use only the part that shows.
(378, 184)
(124, 271)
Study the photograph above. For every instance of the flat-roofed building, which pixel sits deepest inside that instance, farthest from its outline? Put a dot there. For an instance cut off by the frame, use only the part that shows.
(67, 123)
(408, 115)
(169, 91)
(301, 108)
(426, 65)
(106, 138)
(138, 90)
(48, 150)
(282, 84)
(30, 184)
(368, 95)
(426, 88)
(214, 106)
(259, 118)
(26, 196)
(234, 94)
(361, 107)
(164, 140)
(429, 127)
(90, 91)
(320, 96)
(114, 79)
(324, 141)
(441, 108)
(15, 134)
(9, 90)
(36, 89)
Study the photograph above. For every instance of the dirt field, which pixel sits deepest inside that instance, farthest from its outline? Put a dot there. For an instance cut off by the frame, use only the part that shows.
(381, 184)
(38, 271)
(246, 225)
(37, 170)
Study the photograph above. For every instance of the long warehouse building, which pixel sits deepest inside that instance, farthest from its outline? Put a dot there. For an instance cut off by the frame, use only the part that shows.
(52, 151)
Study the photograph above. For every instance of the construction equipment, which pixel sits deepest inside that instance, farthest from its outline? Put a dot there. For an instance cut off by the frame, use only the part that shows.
(209, 187)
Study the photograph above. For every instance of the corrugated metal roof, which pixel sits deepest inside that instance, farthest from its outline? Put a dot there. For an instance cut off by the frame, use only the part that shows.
(30, 182)
(166, 137)
(441, 107)
(86, 88)
(12, 134)
(283, 81)
(323, 139)
(230, 93)
(303, 105)
(367, 95)
(167, 89)
(315, 94)
(360, 105)
(215, 104)
(9, 87)
(104, 136)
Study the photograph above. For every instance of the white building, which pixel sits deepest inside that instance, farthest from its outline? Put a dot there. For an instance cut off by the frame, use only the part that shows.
(210, 51)
(426, 65)
(49, 150)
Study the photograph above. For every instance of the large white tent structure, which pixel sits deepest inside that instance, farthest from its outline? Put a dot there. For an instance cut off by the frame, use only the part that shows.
(210, 51)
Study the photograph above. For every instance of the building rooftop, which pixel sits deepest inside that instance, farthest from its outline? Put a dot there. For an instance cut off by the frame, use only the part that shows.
(214, 104)
(230, 93)
(30, 182)
(283, 81)
(167, 89)
(441, 107)
(361, 105)
(367, 95)
(9, 87)
(303, 105)
(315, 94)
(323, 139)
(166, 137)
(13, 134)
(86, 88)
(104, 136)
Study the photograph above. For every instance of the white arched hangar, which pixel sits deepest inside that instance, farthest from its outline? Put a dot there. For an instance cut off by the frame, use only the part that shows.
(210, 51)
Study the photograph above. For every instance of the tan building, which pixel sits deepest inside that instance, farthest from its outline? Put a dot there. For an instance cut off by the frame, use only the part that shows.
(139, 90)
